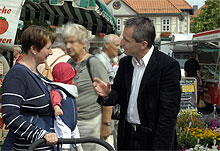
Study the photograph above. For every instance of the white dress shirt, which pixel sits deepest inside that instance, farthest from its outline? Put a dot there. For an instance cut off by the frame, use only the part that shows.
(139, 68)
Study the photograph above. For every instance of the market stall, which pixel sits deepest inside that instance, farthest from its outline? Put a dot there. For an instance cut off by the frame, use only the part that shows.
(208, 48)
(94, 15)
(199, 129)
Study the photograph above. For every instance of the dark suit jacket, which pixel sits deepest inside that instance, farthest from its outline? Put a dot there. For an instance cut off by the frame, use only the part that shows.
(158, 99)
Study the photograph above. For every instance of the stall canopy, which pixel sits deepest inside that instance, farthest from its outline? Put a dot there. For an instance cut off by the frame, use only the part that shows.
(95, 16)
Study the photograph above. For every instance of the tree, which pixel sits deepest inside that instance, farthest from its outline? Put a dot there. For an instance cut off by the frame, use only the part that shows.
(208, 19)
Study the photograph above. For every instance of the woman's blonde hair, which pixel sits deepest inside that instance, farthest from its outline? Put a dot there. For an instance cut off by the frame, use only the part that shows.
(77, 31)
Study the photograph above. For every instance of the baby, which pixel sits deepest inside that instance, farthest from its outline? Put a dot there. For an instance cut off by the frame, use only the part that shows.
(64, 103)
(63, 73)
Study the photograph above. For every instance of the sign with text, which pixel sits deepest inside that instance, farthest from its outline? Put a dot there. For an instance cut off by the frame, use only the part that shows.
(9, 17)
(189, 93)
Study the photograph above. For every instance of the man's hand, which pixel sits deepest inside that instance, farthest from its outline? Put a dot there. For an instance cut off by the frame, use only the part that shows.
(105, 131)
(102, 89)
(200, 83)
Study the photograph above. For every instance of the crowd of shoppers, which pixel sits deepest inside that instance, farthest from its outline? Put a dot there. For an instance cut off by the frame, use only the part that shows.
(145, 85)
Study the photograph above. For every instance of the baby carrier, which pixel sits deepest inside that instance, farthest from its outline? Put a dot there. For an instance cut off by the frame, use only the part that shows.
(68, 103)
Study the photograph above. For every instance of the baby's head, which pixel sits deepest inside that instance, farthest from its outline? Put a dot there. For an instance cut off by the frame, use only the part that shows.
(64, 73)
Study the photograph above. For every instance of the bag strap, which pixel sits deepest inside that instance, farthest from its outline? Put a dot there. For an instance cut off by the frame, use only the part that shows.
(57, 59)
(88, 67)
(38, 81)
(47, 67)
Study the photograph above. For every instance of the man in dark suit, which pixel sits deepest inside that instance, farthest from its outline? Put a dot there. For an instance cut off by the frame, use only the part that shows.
(147, 88)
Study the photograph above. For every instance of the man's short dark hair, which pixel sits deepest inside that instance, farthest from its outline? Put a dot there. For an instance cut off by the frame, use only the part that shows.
(94, 50)
(193, 54)
(143, 29)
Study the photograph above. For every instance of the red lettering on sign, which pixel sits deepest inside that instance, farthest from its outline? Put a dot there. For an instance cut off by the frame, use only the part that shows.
(5, 11)
(9, 11)
(4, 40)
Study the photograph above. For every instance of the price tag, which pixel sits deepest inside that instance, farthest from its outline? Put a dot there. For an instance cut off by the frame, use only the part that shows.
(188, 88)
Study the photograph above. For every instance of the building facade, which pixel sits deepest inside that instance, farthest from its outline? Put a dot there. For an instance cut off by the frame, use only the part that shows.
(168, 16)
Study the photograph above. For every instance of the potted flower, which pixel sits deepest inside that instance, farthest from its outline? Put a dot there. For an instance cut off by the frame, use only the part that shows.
(165, 34)
(211, 120)
(189, 117)
(196, 131)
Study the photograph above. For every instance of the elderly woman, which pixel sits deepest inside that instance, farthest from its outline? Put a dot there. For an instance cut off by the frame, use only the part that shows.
(93, 121)
(26, 106)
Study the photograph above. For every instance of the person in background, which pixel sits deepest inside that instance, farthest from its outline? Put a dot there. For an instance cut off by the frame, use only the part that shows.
(24, 98)
(93, 121)
(147, 87)
(4, 53)
(59, 55)
(106, 56)
(4, 67)
(94, 50)
(192, 69)
(109, 51)
(17, 54)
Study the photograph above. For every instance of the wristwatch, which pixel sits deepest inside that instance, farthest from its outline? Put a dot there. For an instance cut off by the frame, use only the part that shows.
(107, 123)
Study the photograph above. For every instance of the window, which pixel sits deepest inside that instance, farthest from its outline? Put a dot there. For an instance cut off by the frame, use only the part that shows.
(119, 28)
(119, 24)
(165, 25)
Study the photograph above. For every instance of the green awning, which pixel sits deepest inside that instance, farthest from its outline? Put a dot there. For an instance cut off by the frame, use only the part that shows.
(94, 15)
(209, 50)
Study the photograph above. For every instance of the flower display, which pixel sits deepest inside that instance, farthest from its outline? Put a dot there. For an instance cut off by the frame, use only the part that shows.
(211, 120)
(189, 117)
(165, 34)
(196, 131)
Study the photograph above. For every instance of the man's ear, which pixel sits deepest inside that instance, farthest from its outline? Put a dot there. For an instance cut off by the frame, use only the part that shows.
(144, 44)
(107, 45)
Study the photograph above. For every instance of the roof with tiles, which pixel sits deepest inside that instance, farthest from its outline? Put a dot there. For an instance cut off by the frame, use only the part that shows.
(156, 6)
(107, 1)
(152, 6)
(197, 12)
(181, 4)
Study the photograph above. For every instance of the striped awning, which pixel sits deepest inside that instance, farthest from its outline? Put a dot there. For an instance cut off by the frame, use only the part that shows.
(97, 20)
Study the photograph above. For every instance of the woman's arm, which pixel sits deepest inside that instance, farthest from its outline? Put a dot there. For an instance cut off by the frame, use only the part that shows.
(16, 87)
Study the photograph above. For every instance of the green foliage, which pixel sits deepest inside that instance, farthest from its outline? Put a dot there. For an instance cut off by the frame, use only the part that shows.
(208, 19)
(185, 140)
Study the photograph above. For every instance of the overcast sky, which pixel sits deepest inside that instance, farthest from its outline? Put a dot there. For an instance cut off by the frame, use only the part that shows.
(196, 2)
